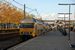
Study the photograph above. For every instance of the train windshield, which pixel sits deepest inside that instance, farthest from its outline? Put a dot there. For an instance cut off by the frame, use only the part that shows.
(27, 25)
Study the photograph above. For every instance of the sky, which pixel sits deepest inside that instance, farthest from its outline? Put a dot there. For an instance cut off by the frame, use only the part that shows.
(44, 6)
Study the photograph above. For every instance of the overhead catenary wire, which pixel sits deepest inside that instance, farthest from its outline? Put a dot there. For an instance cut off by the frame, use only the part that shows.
(23, 5)
(28, 8)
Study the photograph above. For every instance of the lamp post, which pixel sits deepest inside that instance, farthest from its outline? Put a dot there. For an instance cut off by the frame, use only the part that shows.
(69, 40)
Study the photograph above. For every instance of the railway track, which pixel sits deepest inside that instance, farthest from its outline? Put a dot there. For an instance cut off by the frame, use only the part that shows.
(4, 44)
(10, 38)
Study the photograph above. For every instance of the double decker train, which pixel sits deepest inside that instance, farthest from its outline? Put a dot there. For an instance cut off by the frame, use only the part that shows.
(26, 29)
(32, 27)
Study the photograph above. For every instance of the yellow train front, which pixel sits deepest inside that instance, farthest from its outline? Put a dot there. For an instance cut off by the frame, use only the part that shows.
(27, 29)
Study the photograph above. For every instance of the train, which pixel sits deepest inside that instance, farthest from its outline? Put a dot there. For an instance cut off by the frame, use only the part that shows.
(26, 29)
(32, 27)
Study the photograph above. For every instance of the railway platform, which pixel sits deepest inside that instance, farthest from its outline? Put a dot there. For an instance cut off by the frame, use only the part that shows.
(53, 40)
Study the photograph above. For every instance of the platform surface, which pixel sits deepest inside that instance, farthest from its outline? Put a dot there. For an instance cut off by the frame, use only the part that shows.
(50, 41)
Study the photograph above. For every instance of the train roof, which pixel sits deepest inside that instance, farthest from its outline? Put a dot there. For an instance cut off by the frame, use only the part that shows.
(27, 21)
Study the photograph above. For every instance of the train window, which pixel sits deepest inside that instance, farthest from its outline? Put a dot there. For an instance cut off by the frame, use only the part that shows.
(27, 25)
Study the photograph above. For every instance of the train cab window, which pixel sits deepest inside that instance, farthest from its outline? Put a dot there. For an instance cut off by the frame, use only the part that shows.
(27, 25)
